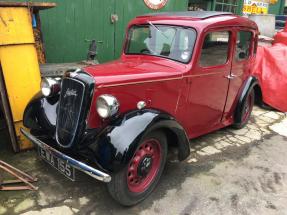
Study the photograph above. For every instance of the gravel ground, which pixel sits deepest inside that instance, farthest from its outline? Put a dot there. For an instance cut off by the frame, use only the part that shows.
(228, 172)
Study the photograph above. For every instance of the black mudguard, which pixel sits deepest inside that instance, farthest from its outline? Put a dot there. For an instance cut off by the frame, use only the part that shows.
(41, 114)
(248, 86)
(116, 144)
(112, 146)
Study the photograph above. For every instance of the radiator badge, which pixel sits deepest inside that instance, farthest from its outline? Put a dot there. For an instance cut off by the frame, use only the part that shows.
(70, 92)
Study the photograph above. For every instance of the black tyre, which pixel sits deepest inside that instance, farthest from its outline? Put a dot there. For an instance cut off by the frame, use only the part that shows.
(246, 110)
(138, 179)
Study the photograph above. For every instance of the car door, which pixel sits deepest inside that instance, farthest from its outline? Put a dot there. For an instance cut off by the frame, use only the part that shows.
(208, 82)
(242, 62)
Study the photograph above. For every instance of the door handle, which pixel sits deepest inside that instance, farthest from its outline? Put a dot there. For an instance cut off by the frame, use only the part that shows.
(230, 76)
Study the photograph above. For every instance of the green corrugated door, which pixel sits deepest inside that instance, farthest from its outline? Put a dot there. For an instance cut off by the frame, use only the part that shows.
(68, 28)
(91, 19)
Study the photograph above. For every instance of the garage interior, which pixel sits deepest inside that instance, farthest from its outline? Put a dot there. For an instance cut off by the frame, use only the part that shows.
(5, 140)
(4, 134)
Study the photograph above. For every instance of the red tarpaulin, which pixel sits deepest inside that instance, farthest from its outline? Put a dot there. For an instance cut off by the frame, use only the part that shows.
(271, 70)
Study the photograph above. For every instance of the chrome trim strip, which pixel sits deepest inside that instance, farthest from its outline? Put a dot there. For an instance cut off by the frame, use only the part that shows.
(140, 82)
(97, 174)
(159, 80)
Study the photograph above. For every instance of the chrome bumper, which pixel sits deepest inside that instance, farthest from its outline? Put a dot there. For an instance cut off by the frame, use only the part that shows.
(97, 174)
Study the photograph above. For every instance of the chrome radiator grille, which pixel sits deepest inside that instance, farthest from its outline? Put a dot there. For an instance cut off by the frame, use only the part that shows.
(70, 111)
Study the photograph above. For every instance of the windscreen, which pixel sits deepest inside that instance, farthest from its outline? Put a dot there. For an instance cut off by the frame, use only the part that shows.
(172, 42)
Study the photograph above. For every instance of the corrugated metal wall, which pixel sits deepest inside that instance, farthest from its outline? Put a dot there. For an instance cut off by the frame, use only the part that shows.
(67, 27)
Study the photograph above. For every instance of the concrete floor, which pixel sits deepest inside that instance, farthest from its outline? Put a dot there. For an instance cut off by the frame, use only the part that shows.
(229, 172)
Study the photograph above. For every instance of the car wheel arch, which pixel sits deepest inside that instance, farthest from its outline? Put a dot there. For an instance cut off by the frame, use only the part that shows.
(258, 94)
(177, 139)
(250, 84)
(159, 121)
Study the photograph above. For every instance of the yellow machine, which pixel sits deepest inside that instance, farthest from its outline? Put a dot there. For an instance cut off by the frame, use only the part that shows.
(19, 68)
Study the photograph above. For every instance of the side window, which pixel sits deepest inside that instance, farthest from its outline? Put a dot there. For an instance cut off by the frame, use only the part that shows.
(243, 44)
(215, 49)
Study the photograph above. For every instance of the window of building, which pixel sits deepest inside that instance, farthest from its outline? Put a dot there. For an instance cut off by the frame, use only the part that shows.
(198, 6)
(215, 49)
(243, 45)
(226, 5)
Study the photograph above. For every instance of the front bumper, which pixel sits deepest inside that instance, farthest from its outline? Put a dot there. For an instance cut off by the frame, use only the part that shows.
(97, 174)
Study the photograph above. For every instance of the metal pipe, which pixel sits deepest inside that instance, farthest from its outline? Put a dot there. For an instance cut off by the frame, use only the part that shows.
(23, 179)
(17, 171)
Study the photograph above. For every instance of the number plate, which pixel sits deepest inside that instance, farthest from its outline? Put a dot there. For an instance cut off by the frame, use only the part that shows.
(61, 165)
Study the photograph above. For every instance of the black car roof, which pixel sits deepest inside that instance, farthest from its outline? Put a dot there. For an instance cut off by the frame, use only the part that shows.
(191, 14)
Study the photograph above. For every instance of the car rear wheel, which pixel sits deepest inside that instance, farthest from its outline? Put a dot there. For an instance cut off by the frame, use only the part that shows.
(138, 179)
(246, 110)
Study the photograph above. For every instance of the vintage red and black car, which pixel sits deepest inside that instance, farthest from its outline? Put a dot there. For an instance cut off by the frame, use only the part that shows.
(181, 75)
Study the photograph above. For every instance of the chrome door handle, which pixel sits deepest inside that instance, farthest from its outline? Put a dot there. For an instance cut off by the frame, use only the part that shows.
(231, 76)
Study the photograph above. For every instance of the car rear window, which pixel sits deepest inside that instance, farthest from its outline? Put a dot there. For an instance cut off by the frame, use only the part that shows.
(215, 49)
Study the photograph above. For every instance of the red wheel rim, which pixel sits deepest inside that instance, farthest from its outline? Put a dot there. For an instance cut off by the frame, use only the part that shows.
(144, 166)
(247, 108)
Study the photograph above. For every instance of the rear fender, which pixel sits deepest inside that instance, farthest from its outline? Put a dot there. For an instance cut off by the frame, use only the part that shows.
(249, 84)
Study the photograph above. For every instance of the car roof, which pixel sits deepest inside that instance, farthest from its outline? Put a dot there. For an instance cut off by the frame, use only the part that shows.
(189, 14)
(200, 20)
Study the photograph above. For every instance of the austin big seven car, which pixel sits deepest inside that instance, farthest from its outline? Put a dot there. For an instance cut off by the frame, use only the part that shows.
(181, 75)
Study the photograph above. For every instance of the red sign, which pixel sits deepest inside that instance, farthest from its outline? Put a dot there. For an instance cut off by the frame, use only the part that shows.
(155, 4)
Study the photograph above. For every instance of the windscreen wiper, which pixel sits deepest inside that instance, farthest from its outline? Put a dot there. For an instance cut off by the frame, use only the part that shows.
(150, 23)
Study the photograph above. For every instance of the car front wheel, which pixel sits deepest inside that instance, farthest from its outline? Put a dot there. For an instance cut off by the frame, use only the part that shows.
(138, 179)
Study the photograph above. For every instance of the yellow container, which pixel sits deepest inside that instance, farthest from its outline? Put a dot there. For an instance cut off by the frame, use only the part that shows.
(18, 58)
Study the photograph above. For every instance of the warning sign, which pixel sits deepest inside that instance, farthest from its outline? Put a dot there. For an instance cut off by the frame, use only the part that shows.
(255, 7)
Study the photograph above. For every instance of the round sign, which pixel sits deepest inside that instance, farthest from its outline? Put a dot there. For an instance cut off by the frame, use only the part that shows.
(155, 4)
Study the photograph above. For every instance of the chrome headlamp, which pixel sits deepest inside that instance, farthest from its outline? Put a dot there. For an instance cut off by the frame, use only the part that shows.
(50, 86)
(107, 106)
